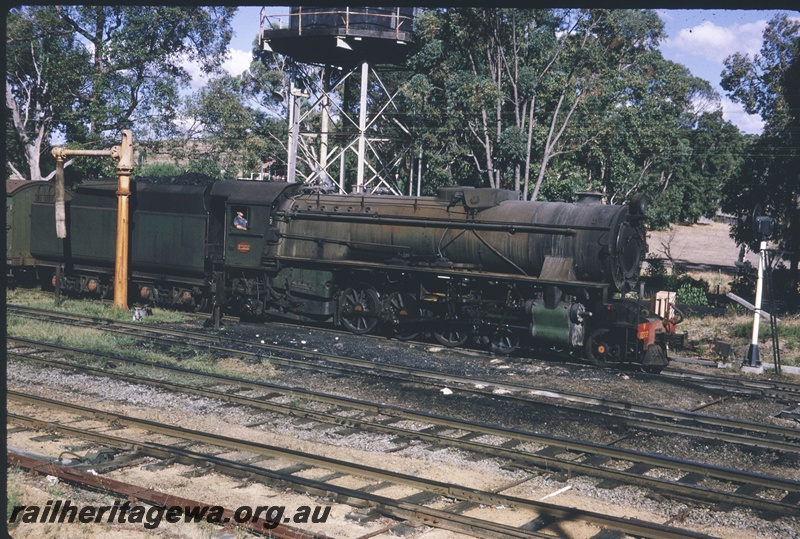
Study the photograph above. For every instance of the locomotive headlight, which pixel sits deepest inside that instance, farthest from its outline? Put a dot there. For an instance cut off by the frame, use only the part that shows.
(638, 205)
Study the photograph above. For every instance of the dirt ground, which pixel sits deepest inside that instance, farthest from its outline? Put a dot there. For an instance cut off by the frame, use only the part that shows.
(705, 246)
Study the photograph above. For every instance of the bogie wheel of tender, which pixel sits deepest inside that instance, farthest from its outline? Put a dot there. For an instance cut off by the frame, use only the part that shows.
(358, 309)
(201, 305)
(403, 306)
(105, 291)
(451, 335)
(504, 342)
(599, 351)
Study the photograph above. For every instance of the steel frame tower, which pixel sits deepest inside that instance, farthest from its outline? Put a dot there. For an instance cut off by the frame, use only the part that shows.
(353, 40)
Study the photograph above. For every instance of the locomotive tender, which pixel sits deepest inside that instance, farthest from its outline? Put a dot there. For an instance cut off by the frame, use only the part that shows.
(468, 264)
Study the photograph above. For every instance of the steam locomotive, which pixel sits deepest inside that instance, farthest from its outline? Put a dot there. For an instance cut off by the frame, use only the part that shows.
(470, 265)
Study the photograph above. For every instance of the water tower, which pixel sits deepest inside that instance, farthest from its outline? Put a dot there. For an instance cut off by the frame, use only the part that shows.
(354, 40)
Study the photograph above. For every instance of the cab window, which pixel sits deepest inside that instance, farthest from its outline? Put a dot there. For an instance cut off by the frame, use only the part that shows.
(240, 219)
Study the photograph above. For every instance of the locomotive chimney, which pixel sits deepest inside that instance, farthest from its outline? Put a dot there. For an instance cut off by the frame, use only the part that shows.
(589, 197)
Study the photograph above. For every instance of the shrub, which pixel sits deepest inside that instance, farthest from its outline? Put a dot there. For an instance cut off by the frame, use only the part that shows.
(689, 294)
(160, 169)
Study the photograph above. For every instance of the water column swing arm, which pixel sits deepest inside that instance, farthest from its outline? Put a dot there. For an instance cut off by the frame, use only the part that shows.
(123, 155)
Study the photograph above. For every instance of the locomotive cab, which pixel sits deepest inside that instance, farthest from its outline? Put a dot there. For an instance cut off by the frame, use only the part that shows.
(244, 233)
(246, 209)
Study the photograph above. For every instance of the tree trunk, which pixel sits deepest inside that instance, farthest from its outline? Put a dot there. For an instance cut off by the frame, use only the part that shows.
(32, 156)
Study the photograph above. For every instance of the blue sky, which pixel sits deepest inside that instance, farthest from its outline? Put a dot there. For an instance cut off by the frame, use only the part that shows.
(698, 39)
(702, 39)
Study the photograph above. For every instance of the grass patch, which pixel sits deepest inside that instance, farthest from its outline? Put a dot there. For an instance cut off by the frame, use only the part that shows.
(65, 335)
(87, 307)
(98, 340)
(13, 492)
(737, 330)
(101, 341)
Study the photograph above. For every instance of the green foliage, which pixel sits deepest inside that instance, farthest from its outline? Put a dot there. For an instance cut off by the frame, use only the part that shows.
(90, 71)
(758, 83)
(159, 169)
(557, 101)
(780, 279)
(14, 492)
(227, 138)
(788, 336)
(691, 295)
(744, 284)
(690, 290)
(86, 307)
(744, 330)
(769, 84)
(206, 166)
(46, 69)
(790, 333)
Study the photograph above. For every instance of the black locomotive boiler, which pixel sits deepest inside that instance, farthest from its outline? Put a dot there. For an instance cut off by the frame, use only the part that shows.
(470, 265)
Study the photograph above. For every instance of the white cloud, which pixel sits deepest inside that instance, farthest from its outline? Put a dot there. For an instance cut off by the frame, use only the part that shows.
(198, 78)
(734, 113)
(237, 62)
(715, 43)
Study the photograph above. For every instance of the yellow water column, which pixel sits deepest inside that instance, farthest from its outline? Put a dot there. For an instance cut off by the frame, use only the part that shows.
(123, 155)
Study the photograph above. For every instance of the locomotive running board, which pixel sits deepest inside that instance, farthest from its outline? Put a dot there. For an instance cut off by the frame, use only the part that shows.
(440, 270)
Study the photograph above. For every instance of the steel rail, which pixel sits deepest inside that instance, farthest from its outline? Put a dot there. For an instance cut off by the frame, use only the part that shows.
(632, 526)
(432, 377)
(353, 497)
(135, 492)
(788, 391)
(540, 458)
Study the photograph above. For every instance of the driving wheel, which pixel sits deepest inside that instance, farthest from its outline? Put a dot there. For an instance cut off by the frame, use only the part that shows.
(403, 307)
(358, 309)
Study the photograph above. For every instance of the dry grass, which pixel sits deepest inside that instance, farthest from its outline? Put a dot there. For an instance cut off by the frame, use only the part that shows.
(718, 282)
(101, 341)
(736, 329)
(706, 252)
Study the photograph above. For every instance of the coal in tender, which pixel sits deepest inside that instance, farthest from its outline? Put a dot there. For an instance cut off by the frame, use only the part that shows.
(190, 178)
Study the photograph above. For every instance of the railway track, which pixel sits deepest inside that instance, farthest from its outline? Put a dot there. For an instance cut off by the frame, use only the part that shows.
(633, 415)
(129, 492)
(413, 505)
(782, 391)
(786, 390)
(524, 449)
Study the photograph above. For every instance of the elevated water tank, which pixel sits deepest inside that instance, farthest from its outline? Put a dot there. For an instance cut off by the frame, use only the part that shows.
(344, 36)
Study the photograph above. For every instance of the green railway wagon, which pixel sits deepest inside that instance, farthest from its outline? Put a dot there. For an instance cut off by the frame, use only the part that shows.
(91, 225)
(171, 236)
(20, 198)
